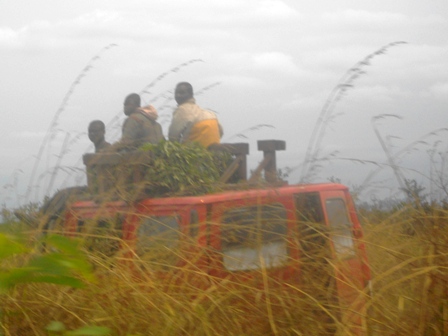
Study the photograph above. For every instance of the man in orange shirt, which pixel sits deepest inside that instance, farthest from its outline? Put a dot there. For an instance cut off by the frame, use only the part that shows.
(190, 122)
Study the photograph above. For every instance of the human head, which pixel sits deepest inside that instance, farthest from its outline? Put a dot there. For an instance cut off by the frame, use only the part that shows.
(96, 131)
(131, 103)
(183, 92)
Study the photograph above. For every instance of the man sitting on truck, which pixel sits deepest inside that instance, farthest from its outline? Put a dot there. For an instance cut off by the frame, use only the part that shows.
(140, 125)
(190, 122)
(97, 132)
(54, 207)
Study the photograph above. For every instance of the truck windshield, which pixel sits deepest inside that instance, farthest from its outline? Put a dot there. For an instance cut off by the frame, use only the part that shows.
(157, 242)
(254, 237)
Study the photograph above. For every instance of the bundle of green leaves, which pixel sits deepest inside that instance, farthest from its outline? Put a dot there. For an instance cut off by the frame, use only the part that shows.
(184, 169)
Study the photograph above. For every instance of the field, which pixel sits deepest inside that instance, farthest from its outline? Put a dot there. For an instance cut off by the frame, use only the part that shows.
(407, 250)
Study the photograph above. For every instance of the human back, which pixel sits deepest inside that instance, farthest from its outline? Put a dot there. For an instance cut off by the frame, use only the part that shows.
(141, 129)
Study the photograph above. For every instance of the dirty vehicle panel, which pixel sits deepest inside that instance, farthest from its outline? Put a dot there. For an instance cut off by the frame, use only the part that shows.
(236, 234)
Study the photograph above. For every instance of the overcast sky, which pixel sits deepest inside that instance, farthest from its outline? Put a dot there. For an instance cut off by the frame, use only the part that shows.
(257, 62)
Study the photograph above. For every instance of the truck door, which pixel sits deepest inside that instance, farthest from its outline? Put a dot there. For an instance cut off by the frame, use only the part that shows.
(347, 260)
(170, 244)
(155, 238)
(99, 227)
(248, 239)
(317, 276)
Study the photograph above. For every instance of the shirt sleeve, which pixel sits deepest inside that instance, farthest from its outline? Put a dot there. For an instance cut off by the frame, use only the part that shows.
(178, 125)
(221, 130)
(130, 131)
(160, 135)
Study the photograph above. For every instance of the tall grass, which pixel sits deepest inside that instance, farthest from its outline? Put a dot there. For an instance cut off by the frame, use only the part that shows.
(51, 132)
(314, 148)
(421, 141)
(408, 255)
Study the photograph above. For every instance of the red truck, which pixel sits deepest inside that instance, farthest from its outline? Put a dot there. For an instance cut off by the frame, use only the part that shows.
(236, 233)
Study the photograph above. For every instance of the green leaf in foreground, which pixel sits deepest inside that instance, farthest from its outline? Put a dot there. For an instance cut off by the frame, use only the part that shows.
(66, 266)
(63, 244)
(89, 331)
(10, 246)
(55, 326)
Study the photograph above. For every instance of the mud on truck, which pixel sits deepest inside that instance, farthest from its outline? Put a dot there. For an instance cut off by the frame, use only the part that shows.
(300, 237)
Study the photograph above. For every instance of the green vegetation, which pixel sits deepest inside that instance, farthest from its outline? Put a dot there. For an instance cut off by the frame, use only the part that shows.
(186, 169)
(22, 267)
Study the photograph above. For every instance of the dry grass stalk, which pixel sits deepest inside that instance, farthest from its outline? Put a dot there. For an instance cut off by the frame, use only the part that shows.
(345, 83)
(53, 124)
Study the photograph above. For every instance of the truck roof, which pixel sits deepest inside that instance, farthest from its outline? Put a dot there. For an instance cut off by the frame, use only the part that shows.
(228, 195)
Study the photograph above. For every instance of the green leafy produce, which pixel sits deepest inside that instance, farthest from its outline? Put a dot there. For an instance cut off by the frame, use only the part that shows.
(186, 169)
